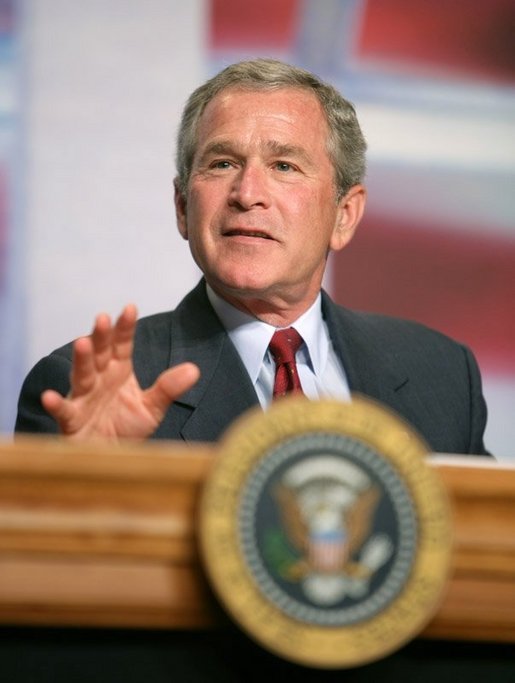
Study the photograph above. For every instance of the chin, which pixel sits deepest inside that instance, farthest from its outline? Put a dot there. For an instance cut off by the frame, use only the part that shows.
(244, 286)
(245, 289)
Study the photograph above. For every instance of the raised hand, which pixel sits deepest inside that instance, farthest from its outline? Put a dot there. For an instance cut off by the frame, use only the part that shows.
(105, 398)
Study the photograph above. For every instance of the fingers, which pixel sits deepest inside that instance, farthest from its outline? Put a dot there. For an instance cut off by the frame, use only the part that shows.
(123, 333)
(91, 355)
(83, 373)
(169, 386)
(58, 407)
(101, 341)
(114, 342)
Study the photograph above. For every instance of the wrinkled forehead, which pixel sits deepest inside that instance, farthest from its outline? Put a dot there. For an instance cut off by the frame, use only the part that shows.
(288, 115)
(234, 97)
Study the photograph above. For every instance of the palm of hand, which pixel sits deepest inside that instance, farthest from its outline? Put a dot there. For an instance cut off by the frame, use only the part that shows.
(105, 399)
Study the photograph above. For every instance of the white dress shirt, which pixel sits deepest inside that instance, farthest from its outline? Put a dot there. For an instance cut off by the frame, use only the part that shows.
(320, 371)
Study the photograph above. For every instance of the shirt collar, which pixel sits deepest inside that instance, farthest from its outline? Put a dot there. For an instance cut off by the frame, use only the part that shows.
(251, 336)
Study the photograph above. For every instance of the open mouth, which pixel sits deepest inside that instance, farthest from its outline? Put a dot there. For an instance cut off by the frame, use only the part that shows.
(247, 233)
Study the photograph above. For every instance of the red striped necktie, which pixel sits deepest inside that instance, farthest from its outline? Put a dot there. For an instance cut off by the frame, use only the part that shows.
(283, 347)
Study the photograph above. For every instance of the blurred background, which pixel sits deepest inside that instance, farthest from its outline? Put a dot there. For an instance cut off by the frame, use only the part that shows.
(90, 96)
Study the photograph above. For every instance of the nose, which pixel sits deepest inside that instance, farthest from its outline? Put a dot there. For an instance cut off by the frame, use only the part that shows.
(250, 189)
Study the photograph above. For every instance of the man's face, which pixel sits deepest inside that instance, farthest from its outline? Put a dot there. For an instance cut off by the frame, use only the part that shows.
(260, 211)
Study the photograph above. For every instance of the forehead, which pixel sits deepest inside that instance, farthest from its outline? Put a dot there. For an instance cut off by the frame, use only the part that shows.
(240, 112)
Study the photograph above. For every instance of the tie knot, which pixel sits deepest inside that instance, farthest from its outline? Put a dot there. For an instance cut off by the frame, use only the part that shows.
(284, 345)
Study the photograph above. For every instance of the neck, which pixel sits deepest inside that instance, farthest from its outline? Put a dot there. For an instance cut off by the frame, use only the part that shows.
(274, 311)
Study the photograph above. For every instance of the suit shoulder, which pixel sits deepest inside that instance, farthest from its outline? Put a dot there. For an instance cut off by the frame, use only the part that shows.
(155, 324)
(383, 330)
(376, 338)
(193, 307)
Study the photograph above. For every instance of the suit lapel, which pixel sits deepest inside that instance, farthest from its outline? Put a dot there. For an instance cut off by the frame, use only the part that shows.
(370, 369)
(224, 389)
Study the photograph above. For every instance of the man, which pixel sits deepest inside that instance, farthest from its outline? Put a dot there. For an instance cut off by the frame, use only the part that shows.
(270, 164)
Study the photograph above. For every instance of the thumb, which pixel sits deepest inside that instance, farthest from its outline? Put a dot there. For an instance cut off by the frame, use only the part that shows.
(169, 386)
(55, 405)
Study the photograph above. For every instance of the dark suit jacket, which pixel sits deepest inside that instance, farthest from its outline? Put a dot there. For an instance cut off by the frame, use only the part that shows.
(432, 381)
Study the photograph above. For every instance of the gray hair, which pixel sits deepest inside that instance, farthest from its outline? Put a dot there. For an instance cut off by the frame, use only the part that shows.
(346, 145)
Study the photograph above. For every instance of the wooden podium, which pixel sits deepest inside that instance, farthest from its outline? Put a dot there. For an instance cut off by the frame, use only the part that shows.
(101, 535)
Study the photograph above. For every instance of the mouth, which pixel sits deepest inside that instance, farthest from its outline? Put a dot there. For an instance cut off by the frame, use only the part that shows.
(239, 232)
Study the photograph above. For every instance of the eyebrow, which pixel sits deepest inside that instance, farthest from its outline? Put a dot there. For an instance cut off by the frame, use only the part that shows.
(223, 147)
(286, 150)
(273, 146)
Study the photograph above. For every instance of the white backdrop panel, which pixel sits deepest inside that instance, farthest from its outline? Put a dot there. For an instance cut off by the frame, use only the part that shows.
(107, 81)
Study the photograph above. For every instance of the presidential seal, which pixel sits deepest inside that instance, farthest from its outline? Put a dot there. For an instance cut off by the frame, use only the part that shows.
(324, 532)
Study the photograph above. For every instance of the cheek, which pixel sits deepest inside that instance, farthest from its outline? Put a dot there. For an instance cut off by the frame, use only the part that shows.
(204, 205)
(202, 222)
(296, 209)
(311, 212)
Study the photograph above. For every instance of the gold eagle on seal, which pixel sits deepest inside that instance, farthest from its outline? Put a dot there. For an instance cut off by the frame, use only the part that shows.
(327, 507)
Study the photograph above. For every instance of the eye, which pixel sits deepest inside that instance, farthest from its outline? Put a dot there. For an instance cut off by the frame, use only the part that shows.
(283, 166)
(221, 164)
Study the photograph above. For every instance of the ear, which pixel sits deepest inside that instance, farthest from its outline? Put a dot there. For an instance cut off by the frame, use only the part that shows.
(350, 211)
(180, 210)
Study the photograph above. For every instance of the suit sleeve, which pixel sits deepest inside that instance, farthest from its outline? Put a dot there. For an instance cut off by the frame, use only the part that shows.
(477, 407)
(52, 372)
